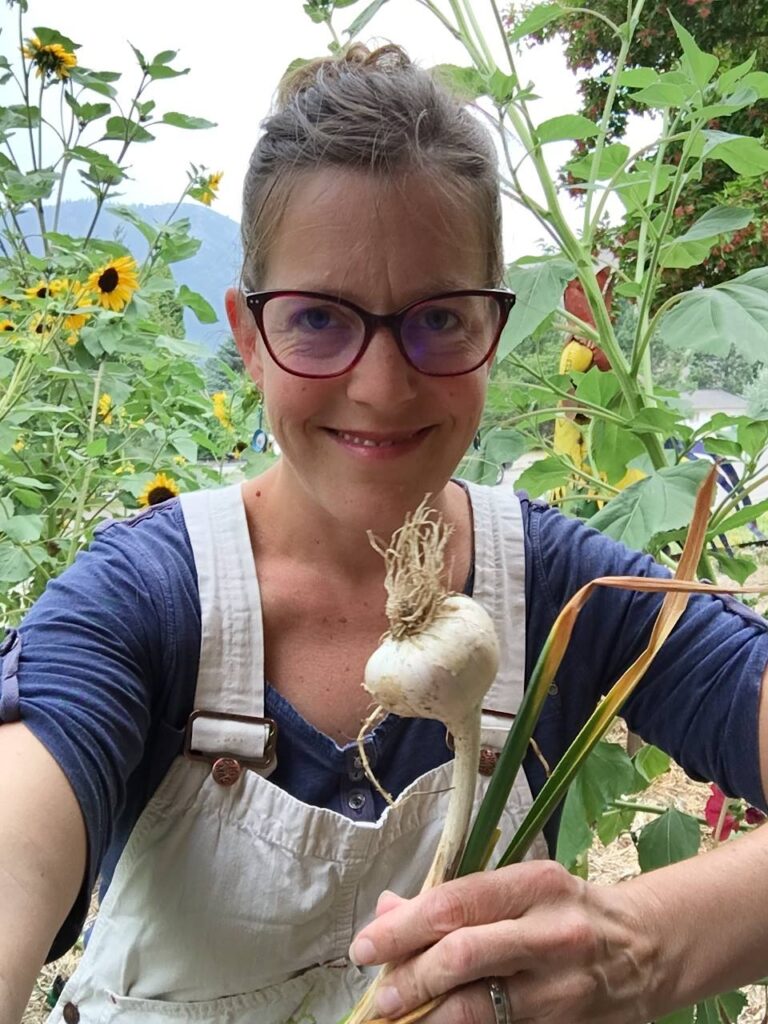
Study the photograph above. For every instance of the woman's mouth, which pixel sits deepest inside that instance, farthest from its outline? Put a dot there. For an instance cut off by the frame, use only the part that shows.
(378, 443)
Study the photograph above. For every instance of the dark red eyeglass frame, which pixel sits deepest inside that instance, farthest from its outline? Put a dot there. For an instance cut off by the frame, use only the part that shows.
(256, 301)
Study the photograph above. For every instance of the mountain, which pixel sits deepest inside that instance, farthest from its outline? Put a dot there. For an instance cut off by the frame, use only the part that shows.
(214, 268)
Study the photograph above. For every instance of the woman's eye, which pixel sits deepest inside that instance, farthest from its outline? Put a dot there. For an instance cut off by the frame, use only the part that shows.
(439, 319)
(316, 319)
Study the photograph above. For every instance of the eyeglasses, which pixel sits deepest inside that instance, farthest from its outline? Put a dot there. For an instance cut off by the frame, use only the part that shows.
(310, 334)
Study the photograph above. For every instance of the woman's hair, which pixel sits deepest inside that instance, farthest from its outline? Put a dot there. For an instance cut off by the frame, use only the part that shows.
(371, 111)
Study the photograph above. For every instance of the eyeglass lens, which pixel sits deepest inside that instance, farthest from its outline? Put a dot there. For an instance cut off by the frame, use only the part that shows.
(321, 337)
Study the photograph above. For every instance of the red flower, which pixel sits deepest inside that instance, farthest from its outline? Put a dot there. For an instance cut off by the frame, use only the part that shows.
(754, 816)
(713, 811)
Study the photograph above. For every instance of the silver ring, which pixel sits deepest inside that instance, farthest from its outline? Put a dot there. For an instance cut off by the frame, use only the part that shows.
(502, 1008)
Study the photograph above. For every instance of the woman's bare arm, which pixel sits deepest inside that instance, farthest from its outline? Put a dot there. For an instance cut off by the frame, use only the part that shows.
(42, 861)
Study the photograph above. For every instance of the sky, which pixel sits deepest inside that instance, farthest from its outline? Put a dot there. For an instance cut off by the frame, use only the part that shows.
(236, 52)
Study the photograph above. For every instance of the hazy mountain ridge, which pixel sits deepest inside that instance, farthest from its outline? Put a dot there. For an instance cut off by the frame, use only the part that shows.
(213, 269)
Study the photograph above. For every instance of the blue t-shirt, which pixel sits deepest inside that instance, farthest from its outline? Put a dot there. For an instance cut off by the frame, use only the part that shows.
(103, 671)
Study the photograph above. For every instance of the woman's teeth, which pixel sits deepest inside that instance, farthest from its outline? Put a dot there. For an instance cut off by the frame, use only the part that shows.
(367, 442)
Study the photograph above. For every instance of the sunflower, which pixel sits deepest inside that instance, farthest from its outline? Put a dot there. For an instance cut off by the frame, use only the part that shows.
(7, 325)
(49, 58)
(115, 283)
(205, 188)
(19, 444)
(74, 321)
(221, 409)
(160, 489)
(126, 467)
(105, 408)
(46, 289)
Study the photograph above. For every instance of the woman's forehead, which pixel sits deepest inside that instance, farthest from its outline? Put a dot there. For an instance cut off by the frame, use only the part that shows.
(341, 224)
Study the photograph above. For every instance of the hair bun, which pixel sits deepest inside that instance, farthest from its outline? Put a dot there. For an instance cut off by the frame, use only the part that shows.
(356, 57)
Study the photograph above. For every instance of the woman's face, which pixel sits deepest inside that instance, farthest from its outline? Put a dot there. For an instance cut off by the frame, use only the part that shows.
(380, 246)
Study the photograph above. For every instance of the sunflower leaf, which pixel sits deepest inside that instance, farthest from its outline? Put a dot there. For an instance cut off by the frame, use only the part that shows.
(186, 121)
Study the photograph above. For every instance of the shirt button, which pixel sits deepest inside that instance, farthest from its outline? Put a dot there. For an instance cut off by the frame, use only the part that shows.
(356, 770)
(71, 1013)
(553, 690)
(356, 800)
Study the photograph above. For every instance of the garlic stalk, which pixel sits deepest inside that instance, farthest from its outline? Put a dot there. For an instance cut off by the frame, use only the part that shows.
(437, 660)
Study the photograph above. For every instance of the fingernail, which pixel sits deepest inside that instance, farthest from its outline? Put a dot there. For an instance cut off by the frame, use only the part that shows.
(362, 951)
(388, 1002)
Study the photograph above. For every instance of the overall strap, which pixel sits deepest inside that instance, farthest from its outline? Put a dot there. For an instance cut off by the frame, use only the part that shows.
(499, 586)
(228, 721)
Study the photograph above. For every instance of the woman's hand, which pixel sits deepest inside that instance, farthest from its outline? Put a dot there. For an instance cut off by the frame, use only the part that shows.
(566, 950)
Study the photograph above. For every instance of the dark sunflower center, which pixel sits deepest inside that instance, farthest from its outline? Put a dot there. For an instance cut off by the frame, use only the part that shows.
(8, 327)
(158, 494)
(109, 280)
(42, 292)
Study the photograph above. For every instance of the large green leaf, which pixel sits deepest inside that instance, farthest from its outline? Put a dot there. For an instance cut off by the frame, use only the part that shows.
(721, 1009)
(539, 288)
(743, 153)
(15, 565)
(535, 19)
(651, 762)
(699, 66)
(673, 836)
(693, 246)
(22, 529)
(713, 319)
(465, 82)
(565, 128)
(543, 476)
(606, 775)
(612, 159)
(662, 501)
(202, 309)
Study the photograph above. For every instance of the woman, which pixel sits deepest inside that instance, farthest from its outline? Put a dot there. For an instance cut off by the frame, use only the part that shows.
(240, 847)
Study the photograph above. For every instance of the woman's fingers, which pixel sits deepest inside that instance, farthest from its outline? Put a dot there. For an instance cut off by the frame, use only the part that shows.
(412, 925)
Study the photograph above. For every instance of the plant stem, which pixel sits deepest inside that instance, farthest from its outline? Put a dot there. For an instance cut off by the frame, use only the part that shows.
(77, 519)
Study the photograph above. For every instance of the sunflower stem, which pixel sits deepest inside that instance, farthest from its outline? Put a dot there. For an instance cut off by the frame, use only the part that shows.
(77, 520)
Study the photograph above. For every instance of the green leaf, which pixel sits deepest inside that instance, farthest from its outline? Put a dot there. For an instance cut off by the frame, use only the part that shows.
(672, 837)
(612, 159)
(757, 80)
(87, 112)
(123, 129)
(655, 421)
(614, 446)
(662, 501)
(544, 475)
(15, 565)
(742, 153)
(684, 1016)
(537, 18)
(722, 446)
(202, 309)
(97, 82)
(698, 65)
(126, 213)
(184, 445)
(26, 188)
(729, 79)
(501, 87)
(634, 187)
(48, 36)
(613, 822)
(736, 567)
(713, 319)
(752, 436)
(364, 17)
(566, 127)
(165, 57)
(693, 246)
(22, 529)
(721, 1009)
(748, 514)
(7, 366)
(156, 71)
(96, 448)
(651, 762)
(639, 78)
(597, 386)
(661, 95)
(606, 775)
(467, 83)
(539, 288)
(185, 121)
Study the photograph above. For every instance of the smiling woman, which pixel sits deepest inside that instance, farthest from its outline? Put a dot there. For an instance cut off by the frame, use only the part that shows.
(186, 696)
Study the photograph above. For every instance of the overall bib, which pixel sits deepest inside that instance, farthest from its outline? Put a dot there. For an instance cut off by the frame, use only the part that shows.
(234, 902)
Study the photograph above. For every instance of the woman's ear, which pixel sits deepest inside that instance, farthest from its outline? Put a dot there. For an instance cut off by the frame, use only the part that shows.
(245, 333)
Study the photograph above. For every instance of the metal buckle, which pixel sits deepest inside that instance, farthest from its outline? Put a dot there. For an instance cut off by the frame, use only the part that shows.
(254, 763)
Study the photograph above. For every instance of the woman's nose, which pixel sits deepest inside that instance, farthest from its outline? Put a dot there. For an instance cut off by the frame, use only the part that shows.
(382, 376)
